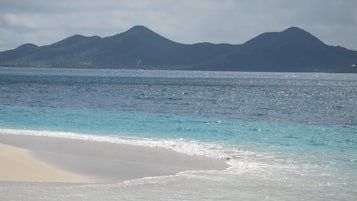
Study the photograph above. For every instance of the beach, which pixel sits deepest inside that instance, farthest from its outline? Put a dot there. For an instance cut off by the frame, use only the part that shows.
(18, 165)
(111, 134)
(49, 159)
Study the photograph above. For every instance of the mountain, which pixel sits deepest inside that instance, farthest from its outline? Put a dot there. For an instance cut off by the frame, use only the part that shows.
(292, 50)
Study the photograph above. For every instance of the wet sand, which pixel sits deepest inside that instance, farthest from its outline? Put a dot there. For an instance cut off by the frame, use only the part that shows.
(86, 161)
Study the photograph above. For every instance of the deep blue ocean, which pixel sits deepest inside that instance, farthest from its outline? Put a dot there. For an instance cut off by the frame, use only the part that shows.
(288, 136)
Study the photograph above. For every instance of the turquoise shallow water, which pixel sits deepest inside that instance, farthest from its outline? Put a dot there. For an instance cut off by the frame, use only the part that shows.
(291, 131)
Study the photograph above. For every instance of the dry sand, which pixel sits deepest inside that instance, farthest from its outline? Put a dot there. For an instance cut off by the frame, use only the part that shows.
(33, 158)
(17, 164)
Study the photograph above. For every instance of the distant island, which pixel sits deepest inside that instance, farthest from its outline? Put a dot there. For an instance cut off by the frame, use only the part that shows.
(292, 50)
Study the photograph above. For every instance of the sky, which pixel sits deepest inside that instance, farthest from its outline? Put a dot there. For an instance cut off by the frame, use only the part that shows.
(44, 22)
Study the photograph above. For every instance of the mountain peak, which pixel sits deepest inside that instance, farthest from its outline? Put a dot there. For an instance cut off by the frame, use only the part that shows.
(292, 35)
(297, 32)
(139, 28)
(294, 29)
(300, 36)
(27, 46)
(139, 34)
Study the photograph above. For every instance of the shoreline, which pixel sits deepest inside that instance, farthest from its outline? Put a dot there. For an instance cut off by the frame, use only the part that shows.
(93, 162)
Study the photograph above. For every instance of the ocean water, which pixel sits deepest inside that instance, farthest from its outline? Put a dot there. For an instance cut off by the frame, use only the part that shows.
(286, 136)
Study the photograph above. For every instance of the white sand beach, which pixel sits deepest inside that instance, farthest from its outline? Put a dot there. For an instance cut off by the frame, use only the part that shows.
(49, 159)
(18, 164)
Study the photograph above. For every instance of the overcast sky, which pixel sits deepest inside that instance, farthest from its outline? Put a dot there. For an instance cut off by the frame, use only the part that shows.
(43, 22)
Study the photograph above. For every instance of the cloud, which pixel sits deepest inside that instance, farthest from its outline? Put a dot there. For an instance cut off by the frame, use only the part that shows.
(229, 21)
